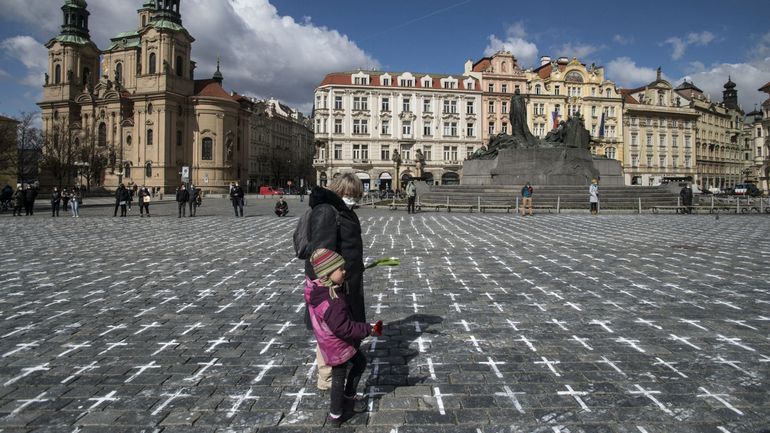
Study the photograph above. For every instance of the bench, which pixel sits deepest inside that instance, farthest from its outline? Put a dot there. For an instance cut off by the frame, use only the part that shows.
(682, 209)
(505, 207)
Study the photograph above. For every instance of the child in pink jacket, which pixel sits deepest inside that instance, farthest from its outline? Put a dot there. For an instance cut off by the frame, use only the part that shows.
(337, 334)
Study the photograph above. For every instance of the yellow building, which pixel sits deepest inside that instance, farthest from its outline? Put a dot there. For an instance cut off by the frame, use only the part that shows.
(563, 88)
(138, 105)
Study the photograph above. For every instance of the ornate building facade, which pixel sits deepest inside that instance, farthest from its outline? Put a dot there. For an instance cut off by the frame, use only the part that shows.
(142, 106)
(500, 76)
(388, 126)
(563, 88)
(660, 131)
(281, 148)
(718, 131)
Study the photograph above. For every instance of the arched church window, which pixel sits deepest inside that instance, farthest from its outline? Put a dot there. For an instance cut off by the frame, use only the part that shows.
(178, 66)
(119, 73)
(144, 21)
(574, 77)
(152, 66)
(102, 136)
(207, 149)
(86, 76)
(129, 140)
(149, 137)
(57, 74)
(127, 170)
(537, 89)
(149, 108)
(148, 170)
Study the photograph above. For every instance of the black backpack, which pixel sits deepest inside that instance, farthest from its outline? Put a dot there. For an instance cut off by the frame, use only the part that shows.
(301, 236)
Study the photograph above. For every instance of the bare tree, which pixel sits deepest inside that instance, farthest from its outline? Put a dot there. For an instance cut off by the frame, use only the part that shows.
(92, 156)
(60, 151)
(9, 151)
(29, 141)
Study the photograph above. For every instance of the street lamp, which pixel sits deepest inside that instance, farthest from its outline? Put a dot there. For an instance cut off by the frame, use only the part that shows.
(81, 167)
(397, 160)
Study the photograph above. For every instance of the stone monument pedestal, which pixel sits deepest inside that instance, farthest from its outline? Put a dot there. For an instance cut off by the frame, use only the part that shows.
(539, 166)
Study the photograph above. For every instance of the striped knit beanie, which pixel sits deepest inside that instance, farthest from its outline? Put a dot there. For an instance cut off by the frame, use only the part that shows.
(325, 262)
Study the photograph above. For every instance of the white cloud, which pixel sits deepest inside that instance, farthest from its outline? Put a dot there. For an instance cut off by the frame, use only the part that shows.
(30, 53)
(263, 53)
(625, 73)
(515, 42)
(576, 50)
(761, 49)
(623, 40)
(680, 44)
(748, 77)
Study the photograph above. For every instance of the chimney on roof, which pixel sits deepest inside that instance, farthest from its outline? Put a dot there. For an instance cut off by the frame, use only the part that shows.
(658, 74)
(544, 60)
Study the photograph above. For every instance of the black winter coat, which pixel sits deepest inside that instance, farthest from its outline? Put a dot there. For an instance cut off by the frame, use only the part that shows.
(348, 243)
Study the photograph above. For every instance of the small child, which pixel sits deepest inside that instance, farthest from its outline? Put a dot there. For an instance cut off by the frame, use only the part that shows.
(337, 334)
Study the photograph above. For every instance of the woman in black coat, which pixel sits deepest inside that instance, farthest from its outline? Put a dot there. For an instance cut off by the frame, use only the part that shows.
(334, 226)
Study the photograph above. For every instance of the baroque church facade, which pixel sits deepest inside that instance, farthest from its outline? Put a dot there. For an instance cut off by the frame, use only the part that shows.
(138, 103)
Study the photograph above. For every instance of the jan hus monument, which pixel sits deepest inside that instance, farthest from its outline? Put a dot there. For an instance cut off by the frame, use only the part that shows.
(561, 158)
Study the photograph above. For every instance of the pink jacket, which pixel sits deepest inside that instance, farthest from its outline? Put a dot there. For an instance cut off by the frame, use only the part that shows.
(337, 334)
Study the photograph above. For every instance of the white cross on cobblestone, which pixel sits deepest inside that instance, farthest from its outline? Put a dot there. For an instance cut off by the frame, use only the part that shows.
(301, 393)
(142, 369)
(493, 365)
(670, 365)
(239, 400)
(576, 395)
(512, 396)
(718, 397)
(26, 372)
(651, 395)
(171, 397)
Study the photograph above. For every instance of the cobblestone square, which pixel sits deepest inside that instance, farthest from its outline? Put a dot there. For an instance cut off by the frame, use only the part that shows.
(493, 323)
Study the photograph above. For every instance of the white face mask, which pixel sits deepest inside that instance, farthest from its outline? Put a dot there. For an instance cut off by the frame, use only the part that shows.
(350, 202)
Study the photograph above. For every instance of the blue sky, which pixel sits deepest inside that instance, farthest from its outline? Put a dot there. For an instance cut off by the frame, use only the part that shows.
(283, 48)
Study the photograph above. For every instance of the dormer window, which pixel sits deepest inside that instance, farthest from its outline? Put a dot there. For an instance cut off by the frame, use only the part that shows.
(404, 82)
(361, 79)
(385, 80)
(427, 83)
(470, 85)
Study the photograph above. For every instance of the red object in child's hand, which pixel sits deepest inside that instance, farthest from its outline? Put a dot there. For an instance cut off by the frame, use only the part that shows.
(377, 328)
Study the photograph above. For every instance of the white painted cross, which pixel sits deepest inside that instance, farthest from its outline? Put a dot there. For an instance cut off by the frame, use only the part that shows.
(378, 307)
(111, 346)
(206, 366)
(265, 368)
(373, 343)
(72, 348)
(267, 346)
(26, 402)
(26, 372)
(741, 323)
(19, 329)
(286, 325)
(550, 364)
(431, 370)
(439, 399)
(603, 324)
(421, 344)
(100, 400)
(576, 395)
(164, 345)
(21, 346)
(651, 396)
(239, 399)
(299, 396)
(513, 324)
(376, 366)
(192, 327)
(144, 311)
(647, 322)
(493, 365)
(171, 397)
(560, 324)
(683, 340)
(604, 360)
(734, 341)
(475, 343)
(573, 305)
(146, 327)
(215, 343)
(528, 342)
(733, 364)
(113, 328)
(465, 325)
(259, 307)
(693, 323)
(141, 369)
(718, 397)
(632, 343)
(81, 370)
(582, 341)
(185, 306)
(512, 396)
(669, 365)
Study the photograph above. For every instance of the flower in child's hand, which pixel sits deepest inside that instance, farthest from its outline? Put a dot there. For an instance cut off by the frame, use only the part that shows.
(377, 328)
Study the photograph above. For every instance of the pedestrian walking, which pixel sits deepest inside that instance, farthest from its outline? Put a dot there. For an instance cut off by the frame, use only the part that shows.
(197, 201)
(65, 199)
(18, 200)
(191, 189)
(75, 202)
(686, 195)
(335, 226)
(30, 195)
(124, 198)
(338, 334)
(182, 197)
(236, 196)
(526, 198)
(144, 195)
(593, 196)
(55, 202)
(118, 193)
(411, 196)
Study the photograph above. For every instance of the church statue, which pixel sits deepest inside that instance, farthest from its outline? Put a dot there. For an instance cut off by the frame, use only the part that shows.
(47, 78)
(165, 67)
(229, 150)
(419, 160)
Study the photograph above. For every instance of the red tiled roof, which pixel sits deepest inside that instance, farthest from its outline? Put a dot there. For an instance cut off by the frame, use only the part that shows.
(345, 78)
(627, 97)
(212, 89)
(482, 64)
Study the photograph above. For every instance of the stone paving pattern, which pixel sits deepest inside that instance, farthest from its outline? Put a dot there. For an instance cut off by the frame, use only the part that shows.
(493, 323)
